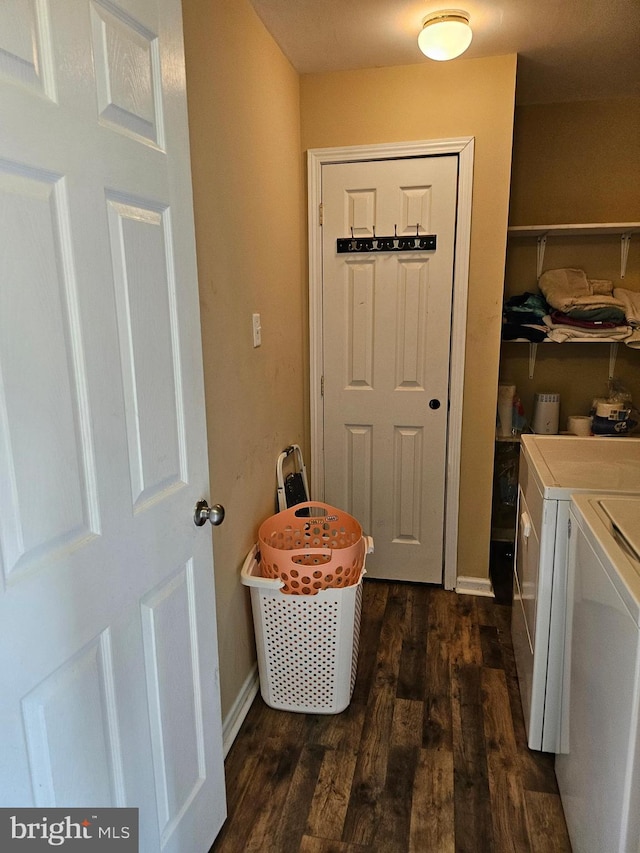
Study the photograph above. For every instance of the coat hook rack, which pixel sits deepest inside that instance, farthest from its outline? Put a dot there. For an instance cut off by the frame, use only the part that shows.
(419, 243)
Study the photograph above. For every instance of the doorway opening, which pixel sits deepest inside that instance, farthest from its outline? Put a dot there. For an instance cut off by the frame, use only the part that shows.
(463, 148)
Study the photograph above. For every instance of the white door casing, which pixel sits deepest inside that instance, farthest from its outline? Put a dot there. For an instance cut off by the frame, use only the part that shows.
(462, 149)
(108, 647)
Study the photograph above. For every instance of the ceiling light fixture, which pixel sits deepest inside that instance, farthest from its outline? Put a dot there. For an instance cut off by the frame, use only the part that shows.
(445, 34)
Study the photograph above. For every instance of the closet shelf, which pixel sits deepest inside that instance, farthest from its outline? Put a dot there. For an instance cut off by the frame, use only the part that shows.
(584, 230)
(587, 229)
(593, 340)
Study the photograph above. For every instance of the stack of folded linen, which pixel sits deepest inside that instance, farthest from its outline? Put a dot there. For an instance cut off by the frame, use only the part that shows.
(582, 307)
(523, 317)
(631, 302)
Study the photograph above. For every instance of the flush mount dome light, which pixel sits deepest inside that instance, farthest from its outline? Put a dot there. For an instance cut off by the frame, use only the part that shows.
(445, 34)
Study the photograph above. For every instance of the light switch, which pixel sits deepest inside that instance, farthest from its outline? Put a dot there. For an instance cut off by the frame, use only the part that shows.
(257, 330)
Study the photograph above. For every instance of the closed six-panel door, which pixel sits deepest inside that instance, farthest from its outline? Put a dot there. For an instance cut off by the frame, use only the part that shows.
(386, 332)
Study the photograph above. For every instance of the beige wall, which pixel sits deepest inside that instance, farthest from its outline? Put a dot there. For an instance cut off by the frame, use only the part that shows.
(248, 198)
(435, 101)
(574, 163)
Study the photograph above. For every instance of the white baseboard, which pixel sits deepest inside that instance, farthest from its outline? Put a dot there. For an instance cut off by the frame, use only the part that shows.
(240, 708)
(475, 586)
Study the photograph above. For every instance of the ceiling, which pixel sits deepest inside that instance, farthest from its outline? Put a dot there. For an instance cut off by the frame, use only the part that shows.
(568, 50)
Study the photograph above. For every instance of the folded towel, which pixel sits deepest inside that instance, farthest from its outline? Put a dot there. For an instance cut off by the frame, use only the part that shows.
(560, 333)
(607, 315)
(559, 318)
(565, 289)
(631, 302)
(633, 340)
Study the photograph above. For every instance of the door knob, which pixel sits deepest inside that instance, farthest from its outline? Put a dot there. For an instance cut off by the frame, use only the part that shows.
(203, 512)
(434, 404)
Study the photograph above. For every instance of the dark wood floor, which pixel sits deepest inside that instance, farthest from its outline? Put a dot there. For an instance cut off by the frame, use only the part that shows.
(429, 757)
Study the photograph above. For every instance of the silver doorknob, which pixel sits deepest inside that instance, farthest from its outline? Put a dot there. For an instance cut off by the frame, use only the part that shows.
(203, 512)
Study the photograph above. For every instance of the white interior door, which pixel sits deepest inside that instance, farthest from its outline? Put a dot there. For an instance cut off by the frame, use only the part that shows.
(386, 335)
(108, 648)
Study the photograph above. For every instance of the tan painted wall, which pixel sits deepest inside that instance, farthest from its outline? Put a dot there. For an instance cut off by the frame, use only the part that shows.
(574, 163)
(248, 197)
(435, 101)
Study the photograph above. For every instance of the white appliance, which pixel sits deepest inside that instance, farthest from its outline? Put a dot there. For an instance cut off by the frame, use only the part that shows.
(552, 468)
(599, 770)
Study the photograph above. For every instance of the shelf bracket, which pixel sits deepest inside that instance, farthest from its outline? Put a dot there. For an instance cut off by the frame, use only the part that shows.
(625, 241)
(542, 245)
(613, 354)
(533, 351)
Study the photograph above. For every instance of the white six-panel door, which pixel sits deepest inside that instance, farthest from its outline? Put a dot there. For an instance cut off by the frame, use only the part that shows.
(108, 651)
(386, 338)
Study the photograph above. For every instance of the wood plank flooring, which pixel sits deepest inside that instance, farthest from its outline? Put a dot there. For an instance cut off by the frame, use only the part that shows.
(430, 756)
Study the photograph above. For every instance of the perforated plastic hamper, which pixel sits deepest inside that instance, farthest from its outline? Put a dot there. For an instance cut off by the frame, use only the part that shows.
(307, 645)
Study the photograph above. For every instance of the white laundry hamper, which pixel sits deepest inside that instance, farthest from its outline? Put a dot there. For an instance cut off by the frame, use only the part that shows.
(307, 645)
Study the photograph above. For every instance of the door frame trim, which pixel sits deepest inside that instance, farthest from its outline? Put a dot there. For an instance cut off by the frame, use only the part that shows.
(316, 159)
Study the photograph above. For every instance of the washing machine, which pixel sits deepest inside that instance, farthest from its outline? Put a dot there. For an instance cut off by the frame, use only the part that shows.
(598, 768)
(552, 468)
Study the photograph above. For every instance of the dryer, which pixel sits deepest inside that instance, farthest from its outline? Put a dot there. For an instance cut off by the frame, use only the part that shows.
(598, 770)
(552, 468)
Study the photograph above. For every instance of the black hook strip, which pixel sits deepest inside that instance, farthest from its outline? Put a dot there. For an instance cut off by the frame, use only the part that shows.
(421, 243)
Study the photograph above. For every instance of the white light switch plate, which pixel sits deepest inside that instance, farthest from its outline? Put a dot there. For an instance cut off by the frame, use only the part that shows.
(257, 330)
